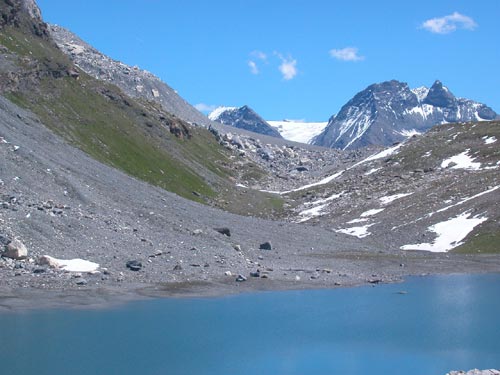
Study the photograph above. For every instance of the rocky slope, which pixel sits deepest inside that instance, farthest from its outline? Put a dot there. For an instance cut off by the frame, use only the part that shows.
(136, 136)
(58, 201)
(135, 82)
(411, 196)
(243, 118)
(388, 112)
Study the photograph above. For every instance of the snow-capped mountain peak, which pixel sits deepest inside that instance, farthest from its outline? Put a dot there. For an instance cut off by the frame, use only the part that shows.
(384, 113)
(243, 118)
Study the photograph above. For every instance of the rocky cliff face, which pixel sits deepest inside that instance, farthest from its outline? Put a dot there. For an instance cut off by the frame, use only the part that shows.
(388, 112)
(135, 82)
(23, 14)
(243, 118)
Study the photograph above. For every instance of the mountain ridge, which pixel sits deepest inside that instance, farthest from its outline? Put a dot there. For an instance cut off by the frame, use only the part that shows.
(384, 112)
(135, 82)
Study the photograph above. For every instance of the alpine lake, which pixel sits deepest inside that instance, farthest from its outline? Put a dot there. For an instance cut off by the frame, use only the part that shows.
(424, 326)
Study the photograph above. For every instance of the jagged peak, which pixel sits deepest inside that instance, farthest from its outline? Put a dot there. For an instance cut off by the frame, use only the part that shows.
(439, 95)
(421, 92)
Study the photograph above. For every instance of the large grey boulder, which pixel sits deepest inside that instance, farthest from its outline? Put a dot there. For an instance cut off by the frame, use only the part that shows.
(15, 250)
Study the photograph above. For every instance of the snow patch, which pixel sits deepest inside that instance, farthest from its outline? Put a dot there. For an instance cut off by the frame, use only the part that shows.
(318, 210)
(489, 140)
(391, 198)
(449, 233)
(74, 265)
(372, 171)
(409, 133)
(372, 212)
(360, 232)
(462, 161)
(312, 212)
(379, 155)
(324, 200)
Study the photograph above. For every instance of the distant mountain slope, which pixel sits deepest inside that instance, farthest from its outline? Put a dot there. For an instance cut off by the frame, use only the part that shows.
(298, 131)
(388, 112)
(243, 118)
(135, 82)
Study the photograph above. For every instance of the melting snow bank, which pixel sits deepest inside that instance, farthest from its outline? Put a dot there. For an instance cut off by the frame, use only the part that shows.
(462, 161)
(71, 265)
(489, 140)
(320, 204)
(449, 233)
(359, 232)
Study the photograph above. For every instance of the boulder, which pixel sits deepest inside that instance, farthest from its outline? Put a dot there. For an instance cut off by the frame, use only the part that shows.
(266, 246)
(134, 265)
(15, 250)
(225, 231)
(241, 278)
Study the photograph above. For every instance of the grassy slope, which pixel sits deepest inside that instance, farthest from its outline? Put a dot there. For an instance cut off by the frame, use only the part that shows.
(128, 134)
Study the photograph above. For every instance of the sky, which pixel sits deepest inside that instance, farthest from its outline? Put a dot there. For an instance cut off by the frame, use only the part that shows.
(294, 59)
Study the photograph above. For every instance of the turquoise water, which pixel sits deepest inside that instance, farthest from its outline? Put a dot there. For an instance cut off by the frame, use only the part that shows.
(441, 324)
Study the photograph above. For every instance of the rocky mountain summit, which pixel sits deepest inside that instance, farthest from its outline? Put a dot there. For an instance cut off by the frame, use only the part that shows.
(390, 111)
(243, 118)
(135, 82)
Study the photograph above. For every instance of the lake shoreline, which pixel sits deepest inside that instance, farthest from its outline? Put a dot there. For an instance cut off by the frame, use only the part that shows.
(106, 296)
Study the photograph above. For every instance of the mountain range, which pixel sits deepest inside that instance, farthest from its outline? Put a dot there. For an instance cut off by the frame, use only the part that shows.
(380, 115)
(388, 112)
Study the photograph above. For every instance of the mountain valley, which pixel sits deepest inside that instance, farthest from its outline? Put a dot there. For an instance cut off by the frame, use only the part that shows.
(107, 164)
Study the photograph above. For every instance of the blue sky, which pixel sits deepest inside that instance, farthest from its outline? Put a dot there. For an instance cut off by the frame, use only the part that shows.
(295, 59)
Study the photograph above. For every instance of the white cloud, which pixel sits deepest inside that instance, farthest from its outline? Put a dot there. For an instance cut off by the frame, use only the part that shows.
(259, 55)
(254, 69)
(346, 54)
(449, 24)
(202, 107)
(288, 67)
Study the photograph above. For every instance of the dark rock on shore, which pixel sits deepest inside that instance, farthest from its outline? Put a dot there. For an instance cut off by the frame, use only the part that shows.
(225, 231)
(266, 246)
(134, 265)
